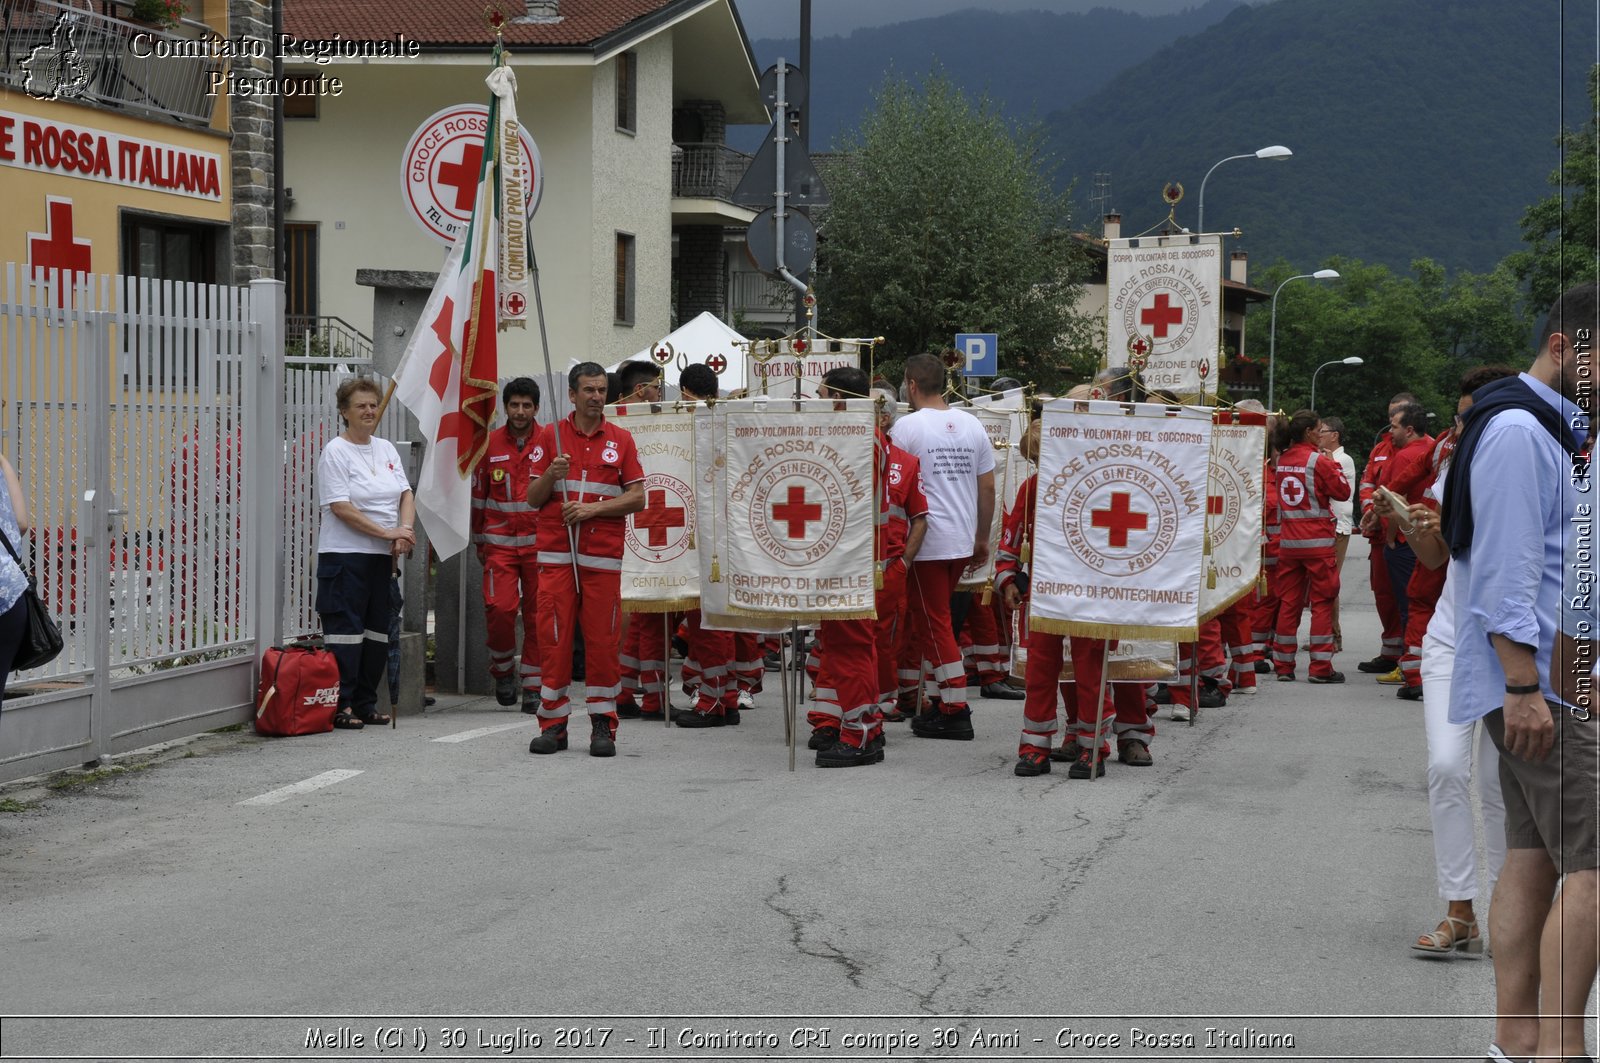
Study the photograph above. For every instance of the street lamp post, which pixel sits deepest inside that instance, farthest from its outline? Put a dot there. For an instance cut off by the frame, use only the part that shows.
(1276, 151)
(1272, 333)
(1352, 360)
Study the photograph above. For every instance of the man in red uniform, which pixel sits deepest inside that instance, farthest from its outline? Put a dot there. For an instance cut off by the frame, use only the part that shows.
(1308, 481)
(847, 726)
(1388, 658)
(588, 480)
(503, 530)
(900, 530)
(1407, 473)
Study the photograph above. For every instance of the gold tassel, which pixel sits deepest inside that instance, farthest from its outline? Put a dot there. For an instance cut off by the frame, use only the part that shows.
(877, 579)
(988, 593)
(716, 570)
(1211, 578)
(691, 540)
(1206, 549)
(1026, 557)
(1261, 583)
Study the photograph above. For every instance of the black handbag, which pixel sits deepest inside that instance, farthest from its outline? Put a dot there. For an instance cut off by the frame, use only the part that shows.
(41, 639)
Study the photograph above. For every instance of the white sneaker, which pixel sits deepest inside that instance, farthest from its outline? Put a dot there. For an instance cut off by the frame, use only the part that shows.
(1244, 690)
(1179, 713)
(747, 700)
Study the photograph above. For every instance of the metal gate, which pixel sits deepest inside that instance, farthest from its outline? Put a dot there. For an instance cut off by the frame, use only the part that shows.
(145, 419)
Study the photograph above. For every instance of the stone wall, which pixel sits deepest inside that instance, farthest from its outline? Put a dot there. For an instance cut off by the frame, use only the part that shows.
(254, 246)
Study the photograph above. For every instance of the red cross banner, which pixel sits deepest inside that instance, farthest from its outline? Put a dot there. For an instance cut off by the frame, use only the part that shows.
(1119, 519)
(1233, 509)
(448, 376)
(514, 174)
(711, 525)
(1164, 307)
(799, 509)
(660, 563)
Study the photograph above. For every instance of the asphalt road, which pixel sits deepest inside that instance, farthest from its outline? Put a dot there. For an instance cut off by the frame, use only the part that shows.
(1267, 874)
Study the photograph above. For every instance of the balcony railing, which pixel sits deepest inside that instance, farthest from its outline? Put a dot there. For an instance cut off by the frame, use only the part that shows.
(757, 293)
(73, 52)
(706, 171)
(330, 338)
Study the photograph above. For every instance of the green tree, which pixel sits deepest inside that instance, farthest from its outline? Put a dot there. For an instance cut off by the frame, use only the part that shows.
(1563, 229)
(944, 220)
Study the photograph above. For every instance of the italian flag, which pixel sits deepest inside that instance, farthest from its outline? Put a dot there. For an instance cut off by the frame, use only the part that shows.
(449, 374)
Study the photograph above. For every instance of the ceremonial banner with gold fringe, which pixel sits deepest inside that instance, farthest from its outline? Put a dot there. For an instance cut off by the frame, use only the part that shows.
(711, 524)
(1119, 523)
(1003, 426)
(1131, 661)
(801, 508)
(1163, 308)
(660, 566)
(1233, 510)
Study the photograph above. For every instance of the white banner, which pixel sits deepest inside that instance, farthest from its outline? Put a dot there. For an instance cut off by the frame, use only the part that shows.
(660, 566)
(800, 508)
(1004, 428)
(1233, 510)
(773, 374)
(1119, 525)
(1164, 305)
(711, 497)
(515, 173)
(1131, 661)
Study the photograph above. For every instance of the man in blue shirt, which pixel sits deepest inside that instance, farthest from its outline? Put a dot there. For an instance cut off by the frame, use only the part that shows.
(1508, 513)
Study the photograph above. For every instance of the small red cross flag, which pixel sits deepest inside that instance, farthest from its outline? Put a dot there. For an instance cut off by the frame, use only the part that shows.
(449, 373)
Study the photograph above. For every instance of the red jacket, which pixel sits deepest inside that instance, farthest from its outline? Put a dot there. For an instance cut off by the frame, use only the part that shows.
(1408, 472)
(501, 515)
(1381, 450)
(1308, 481)
(1271, 514)
(602, 465)
(1018, 528)
(902, 499)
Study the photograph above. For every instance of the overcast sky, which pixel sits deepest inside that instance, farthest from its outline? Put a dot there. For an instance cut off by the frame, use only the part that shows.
(781, 18)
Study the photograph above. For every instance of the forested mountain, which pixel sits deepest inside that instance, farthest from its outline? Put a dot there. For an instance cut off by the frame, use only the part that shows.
(1033, 62)
(1421, 128)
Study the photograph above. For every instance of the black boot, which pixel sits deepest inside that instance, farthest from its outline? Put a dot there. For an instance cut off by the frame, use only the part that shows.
(601, 744)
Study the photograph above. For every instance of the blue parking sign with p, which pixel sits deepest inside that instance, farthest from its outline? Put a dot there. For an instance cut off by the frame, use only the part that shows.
(982, 352)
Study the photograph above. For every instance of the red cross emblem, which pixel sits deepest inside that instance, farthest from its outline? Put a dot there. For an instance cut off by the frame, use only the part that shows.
(462, 175)
(57, 248)
(1119, 520)
(1138, 346)
(662, 354)
(796, 512)
(515, 303)
(717, 363)
(1161, 315)
(1214, 504)
(658, 516)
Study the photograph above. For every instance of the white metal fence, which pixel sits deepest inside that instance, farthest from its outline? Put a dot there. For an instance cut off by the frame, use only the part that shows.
(144, 419)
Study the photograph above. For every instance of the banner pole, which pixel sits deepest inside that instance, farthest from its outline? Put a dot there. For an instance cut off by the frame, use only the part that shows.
(550, 389)
(1100, 708)
(1194, 681)
(666, 669)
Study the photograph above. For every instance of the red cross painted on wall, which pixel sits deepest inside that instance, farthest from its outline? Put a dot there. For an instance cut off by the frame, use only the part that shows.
(797, 512)
(463, 175)
(58, 248)
(1119, 519)
(657, 516)
(1162, 315)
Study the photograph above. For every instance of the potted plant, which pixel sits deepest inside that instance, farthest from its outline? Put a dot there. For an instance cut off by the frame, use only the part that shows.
(159, 14)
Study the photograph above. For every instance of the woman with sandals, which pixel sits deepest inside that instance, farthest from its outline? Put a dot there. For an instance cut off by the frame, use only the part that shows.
(367, 514)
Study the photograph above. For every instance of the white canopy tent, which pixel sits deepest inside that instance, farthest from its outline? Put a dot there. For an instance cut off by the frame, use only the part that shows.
(698, 340)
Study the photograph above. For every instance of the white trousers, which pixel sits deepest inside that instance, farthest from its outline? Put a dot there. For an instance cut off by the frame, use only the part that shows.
(1450, 784)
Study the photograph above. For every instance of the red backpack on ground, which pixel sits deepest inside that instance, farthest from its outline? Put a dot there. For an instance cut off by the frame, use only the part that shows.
(299, 691)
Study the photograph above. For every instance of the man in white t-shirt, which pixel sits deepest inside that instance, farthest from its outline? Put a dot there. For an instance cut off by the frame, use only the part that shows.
(958, 479)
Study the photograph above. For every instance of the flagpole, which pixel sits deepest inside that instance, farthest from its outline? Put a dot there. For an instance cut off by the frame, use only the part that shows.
(550, 389)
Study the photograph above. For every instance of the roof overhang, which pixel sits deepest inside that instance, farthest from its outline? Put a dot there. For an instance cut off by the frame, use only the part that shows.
(698, 211)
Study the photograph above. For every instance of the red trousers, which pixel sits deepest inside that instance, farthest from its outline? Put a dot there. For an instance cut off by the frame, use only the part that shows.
(643, 661)
(847, 686)
(749, 661)
(561, 610)
(712, 652)
(1235, 624)
(511, 586)
(1422, 597)
(1388, 609)
(980, 638)
(929, 588)
(1298, 579)
(888, 628)
(1124, 701)
(1264, 614)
